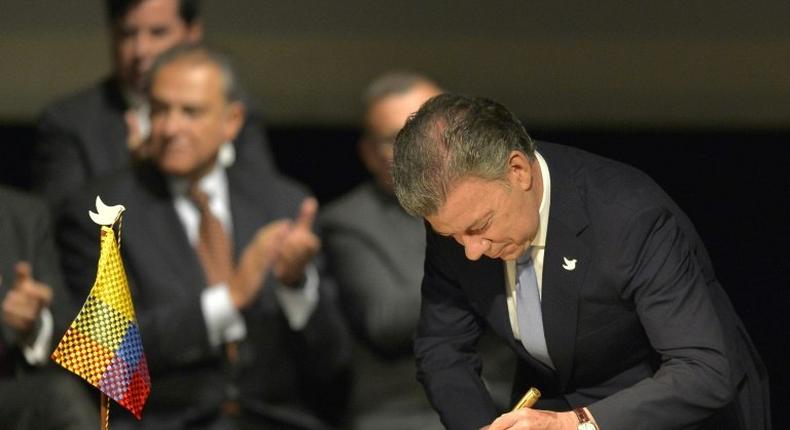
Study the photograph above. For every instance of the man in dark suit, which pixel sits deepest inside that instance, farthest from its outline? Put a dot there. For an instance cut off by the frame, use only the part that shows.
(239, 333)
(35, 311)
(584, 266)
(100, 129)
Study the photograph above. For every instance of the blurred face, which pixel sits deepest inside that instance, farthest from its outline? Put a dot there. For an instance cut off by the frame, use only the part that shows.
(498, 219)
(149, 28)
(190, 118)
(383, 121)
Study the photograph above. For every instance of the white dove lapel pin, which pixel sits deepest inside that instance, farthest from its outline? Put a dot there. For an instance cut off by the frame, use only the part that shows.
(569, 264)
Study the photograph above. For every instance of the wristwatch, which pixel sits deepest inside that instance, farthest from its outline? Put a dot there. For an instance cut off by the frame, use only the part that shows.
(584, 420)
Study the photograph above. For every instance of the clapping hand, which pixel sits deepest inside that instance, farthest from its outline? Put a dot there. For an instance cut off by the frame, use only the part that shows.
(284, 246)
(24, 302)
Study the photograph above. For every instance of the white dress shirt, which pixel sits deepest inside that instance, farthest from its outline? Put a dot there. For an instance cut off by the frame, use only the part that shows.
(37, 352)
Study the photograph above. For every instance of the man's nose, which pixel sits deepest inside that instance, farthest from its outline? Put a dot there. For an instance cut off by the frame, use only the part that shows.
(172, 123)
(142, 46)
(475, 246)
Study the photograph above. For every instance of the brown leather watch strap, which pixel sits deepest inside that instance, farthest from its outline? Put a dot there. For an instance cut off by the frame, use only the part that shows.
(581, 414)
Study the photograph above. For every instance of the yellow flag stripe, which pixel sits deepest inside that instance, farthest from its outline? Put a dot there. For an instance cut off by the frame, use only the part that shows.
(102, 323)
(81, 355)
(111, 285)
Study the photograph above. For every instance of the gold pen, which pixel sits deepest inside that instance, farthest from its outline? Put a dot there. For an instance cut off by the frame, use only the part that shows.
(528, 401)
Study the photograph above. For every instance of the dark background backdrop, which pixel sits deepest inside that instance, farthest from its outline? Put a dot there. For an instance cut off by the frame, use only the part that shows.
(695, 93)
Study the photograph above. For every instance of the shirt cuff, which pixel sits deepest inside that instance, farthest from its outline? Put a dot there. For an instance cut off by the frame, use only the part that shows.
(299, 303)
(223, 322)
(37, 351)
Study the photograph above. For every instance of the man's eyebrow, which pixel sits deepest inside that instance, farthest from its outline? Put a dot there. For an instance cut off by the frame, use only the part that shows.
(154, 100)
(476, 224)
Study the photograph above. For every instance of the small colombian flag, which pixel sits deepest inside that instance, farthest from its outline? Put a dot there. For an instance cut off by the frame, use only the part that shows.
(103, 344)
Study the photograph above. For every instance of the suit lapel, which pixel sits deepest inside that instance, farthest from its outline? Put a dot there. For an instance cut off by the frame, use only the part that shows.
(161, 228)
(252, 207)
(249, 213)
(109, 151)
(8, 254)
(562, 276)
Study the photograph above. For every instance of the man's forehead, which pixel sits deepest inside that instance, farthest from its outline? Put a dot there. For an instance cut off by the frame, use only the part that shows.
(466, 204)
(189, 71)
(152, 12)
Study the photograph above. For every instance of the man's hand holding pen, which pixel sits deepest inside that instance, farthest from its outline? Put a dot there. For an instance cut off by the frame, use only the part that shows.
(535, 419)
(522, 416)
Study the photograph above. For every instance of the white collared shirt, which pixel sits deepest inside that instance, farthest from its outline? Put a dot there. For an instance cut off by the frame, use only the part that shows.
(537, 249)
(37, 352)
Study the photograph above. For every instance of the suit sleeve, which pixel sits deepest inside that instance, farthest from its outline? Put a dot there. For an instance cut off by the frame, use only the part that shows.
(322, 351)
(381, 308)
(445, 346)
(46, 269)
(673, 304)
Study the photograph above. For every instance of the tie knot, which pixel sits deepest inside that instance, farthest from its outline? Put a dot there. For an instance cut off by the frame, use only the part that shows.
(525, 258)
(199, 197)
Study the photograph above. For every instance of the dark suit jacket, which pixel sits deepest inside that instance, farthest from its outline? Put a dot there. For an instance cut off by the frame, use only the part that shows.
(297, 373)
(640, 331)
(83, 136)
(26, 235)
(44, 396)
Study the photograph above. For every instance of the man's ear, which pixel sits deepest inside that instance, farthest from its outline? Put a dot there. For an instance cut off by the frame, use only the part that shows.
(234, 120)
(520, 170)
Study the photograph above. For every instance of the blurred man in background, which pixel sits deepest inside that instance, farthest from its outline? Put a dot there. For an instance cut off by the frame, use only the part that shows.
(101, 128)
(239, 326)
(35, 312)
(376, 251)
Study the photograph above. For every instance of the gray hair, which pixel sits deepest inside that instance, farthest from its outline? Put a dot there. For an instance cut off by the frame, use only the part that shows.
(201, 53)
(393, 83)
(450, 138)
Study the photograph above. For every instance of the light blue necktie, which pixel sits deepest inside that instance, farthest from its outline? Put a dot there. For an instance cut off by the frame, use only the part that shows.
(530, 317)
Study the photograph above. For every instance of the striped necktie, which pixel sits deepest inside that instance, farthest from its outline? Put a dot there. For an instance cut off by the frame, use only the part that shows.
(214, 247)
(215, 251)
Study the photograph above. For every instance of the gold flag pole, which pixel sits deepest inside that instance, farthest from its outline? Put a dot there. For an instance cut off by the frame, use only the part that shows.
(104, 413)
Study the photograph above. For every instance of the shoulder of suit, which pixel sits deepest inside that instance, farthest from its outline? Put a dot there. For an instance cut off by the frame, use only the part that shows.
(612, 191)
(78, 106)
(362, 208)
(274, 182)
(21, 206)
(113, 187)
(266, 188)
(355, 204)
